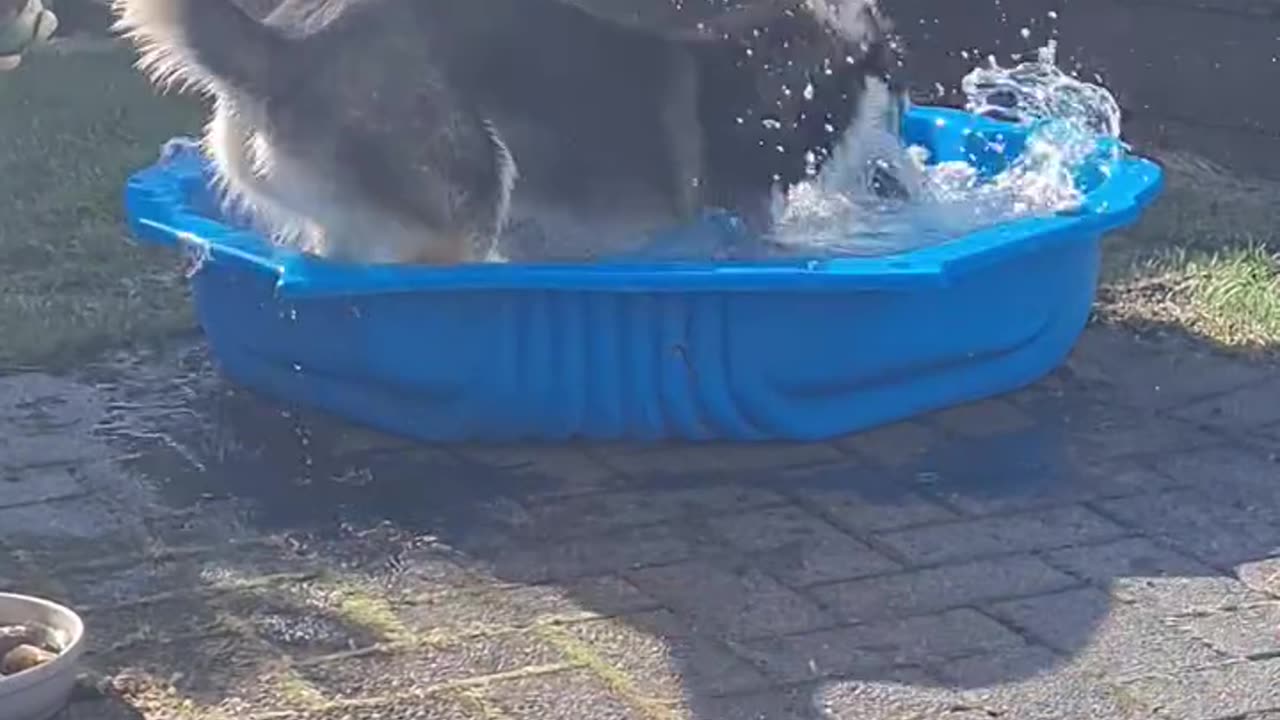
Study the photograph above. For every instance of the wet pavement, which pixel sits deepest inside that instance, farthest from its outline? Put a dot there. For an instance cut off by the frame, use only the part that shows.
(1103, 545)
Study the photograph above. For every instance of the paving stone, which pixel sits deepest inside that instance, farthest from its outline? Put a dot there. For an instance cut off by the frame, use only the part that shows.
(1157, 375)
(67, 449)
(1241, 632)
(523, 605)
(236, 563)
(640, 547)
(1093, 426)
(861, 499)
(437, 707)
(1059, 527)
(1126, 477)
(942, 588)
(1270, 431)
(1133, 435)
(89, 704)
(799, 548)
(401, 570)
(560, 696)
(77, 518)
(415, 671)
(782, 704)
(737, 600)
(1221, 465)
(1260, 575)
(602, 513)
(1223, 691)
(152, 622)
(986, 418)
(1242, 409)
(1139, 571)
(207, 524)
(227, 671)
(33, 485)
(11, 570)
(663, 658)
(898, 445)
(354, 440)
(1103, 637)
(1013, 683)
(862, 649)
(44, 400)
(310, 619)
(1227, 474)
(555, 471)
(894, 695)
(979, 486)
(1216, 533)
(714, 459)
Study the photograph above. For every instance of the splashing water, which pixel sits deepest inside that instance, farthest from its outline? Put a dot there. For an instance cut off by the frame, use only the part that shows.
(840, 212)
(841, 209)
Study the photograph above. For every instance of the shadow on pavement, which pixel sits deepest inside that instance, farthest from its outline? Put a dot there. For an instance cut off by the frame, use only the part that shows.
(1043, 546)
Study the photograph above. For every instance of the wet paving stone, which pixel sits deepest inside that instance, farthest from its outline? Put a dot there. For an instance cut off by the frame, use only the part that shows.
(1073, 550)
(406, 671)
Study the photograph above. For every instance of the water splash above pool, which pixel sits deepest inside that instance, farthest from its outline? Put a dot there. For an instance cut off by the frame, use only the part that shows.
(843, 208)
(841, 212)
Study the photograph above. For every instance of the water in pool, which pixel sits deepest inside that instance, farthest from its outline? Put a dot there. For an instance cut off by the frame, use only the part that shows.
(838, 212)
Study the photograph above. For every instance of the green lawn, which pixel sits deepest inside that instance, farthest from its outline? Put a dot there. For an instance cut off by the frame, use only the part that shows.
(72, 127)
(1205, 259)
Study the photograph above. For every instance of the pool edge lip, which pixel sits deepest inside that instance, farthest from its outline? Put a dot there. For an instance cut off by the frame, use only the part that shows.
(158, 214)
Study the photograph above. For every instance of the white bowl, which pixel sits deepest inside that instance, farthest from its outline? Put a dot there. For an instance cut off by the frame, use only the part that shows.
(43, 691)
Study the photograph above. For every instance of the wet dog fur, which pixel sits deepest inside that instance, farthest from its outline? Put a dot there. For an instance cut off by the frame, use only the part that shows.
(418, 131)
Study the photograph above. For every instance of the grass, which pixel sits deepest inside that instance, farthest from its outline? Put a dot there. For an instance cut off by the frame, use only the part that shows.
(1229, 297)
(72, 127)
(1205, 260)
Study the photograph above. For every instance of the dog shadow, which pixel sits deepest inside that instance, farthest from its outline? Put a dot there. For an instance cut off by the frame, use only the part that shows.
(715, 582)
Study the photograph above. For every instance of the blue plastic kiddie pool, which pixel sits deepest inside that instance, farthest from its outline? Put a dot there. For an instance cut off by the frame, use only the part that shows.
(767, 350)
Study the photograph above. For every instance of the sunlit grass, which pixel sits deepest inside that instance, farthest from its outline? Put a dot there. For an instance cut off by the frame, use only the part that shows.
(1206, 260)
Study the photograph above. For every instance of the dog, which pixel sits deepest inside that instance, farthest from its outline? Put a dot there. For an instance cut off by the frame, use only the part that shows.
(421, 131)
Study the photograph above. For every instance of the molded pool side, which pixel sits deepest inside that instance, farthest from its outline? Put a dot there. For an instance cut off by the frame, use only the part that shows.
(750, 351)
(509, 365)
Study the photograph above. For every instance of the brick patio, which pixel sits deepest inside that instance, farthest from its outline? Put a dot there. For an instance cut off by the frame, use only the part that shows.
(1103, 545)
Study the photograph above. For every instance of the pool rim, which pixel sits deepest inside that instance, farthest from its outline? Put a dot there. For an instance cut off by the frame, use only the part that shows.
(158, 213)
